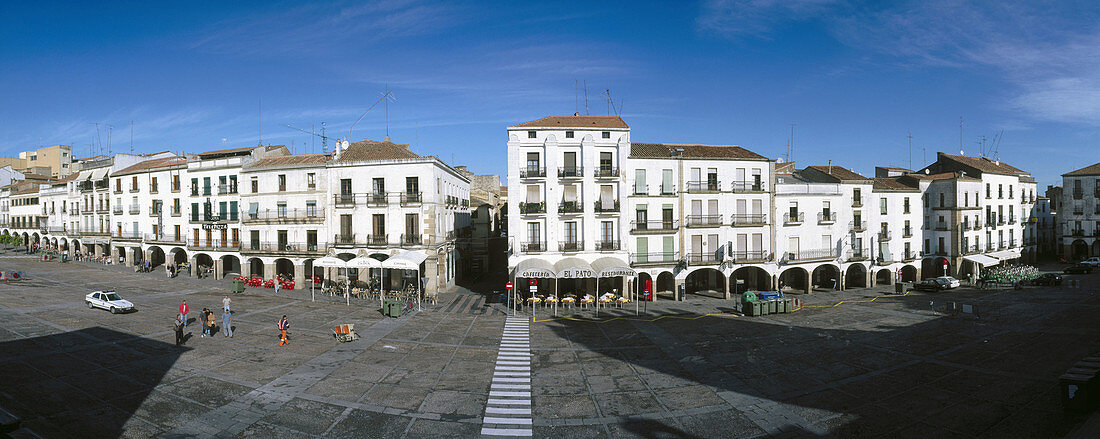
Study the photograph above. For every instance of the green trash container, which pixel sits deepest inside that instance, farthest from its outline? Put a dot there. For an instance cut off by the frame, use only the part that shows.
(755, 308)
(790, 304)
(772, 308)
(901, 287)
(238, 286)
(781, 306)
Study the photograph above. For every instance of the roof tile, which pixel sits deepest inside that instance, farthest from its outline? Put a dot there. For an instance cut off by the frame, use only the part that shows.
(369, 150)
(665, 150)
(575, 122)
(1093, 169)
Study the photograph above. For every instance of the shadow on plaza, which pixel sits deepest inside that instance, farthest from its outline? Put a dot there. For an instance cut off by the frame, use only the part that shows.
(849, 382)
(81, 384)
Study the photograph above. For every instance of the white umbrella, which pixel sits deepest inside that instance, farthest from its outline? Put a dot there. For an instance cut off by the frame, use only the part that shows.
(366, 262)
(333, 262)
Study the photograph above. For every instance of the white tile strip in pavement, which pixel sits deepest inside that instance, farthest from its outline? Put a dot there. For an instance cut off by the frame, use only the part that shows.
(508, 409)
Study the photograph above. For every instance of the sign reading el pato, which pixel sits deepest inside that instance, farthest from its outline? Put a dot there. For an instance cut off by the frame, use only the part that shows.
(576, 272)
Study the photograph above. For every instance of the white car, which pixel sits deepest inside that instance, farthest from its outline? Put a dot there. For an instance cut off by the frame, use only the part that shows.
(950, 282)
(1093, 261)
(109, 300)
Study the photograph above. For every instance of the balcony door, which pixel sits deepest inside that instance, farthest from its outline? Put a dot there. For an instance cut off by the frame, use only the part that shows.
(345, 227)
(283, 242)
(345, 186)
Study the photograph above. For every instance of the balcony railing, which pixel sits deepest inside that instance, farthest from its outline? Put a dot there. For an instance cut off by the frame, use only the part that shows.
(857, 226)
(118, 189)
(748, 186)
(216, 244)
(343, 240)
(1012, 220)
(941, 226)
(910, 256)
(1078, 194)
(378, 240)
(533, 247)
(660, 258)
(797, 218)
(343, 200)
(655, 226)
(117, 210)
(281, 248)
(857, 202)
(884, 235)
(858, 255)
(153, 189)
(411, 240)
(571, 246)
(907, 232)
(376, 199)
(826, 217)
(166, 238)
(703, 186)
(1000, 221)
(606, 246)
(568, 207)
(532, 208)
(706, 258)
(411, 198)
(175, 187)
(966, 226)
(285, 216)
(748, 220)
(571, 172)
(134, 189)
(532, 172)
(641, 189)
(606, 172)
(607, 206)
(229, 189)
(972, 249)
(127, 235)
(810, 255)
(135, 209)
(747, 257)
(176, 211)
(668, 190)
(703, 220)
(154, 211)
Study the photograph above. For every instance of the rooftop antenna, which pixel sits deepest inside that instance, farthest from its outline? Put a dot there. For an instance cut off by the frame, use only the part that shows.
(417, 134)
(260, 119)
(996, 145)
(924, 156)
(790, 154)
(384, 96)
(586, 98)
(576, 97)
(94, 150)
(388, 97)
(910, 136)
(131, 136)
(110, 128)
(960, 132)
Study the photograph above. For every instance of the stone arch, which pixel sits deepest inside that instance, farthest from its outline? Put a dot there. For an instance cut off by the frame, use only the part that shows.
(156, 255)
(884, 276)
(640, 284)
(256, 267)
(751, 279)
(230, 264)
(908, 273)
(1095, 248)
(284, 267)
(705, 281)
(855, 276)
(795, 278)
(179, 255)
(35, 238)
(120, 252)
(204, 260)
(938, 267)
(1079, 249)
(63, 244)
(826, 276)
(666, 282)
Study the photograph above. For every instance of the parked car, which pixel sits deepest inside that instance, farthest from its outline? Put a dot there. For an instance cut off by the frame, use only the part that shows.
(1092, 262)
(108, 300)
(1078, 269)
(949, 281)
(1048, 279)
(934, 284)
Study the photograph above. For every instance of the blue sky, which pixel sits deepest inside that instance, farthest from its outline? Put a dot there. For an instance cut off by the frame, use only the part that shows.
(854, 77)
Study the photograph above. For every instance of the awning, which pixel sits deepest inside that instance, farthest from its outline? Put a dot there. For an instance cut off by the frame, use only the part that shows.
(364, 262)
(406, 260)
(329, 261)
(534, 267)
(253, 208)
(1006, 254)
(986, 261)
(96, 174)
(574, 268)
(612, 267)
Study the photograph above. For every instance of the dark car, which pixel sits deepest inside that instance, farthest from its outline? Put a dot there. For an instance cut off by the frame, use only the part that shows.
(1048, 279)
(1078, 269)
(930, 285)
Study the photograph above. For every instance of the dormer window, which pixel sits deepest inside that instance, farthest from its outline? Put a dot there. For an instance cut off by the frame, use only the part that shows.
(568, 134)
(606, 134)
(531, 134)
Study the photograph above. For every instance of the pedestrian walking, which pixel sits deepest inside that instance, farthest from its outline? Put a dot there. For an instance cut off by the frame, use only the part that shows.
(225, 303)
(178, 327)
(227, 327)
(202, 322)
(211, 323)
(283, 326)
(183, 311)
(277, 284)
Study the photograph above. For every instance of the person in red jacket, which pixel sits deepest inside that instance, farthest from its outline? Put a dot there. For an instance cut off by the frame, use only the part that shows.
(183, 312)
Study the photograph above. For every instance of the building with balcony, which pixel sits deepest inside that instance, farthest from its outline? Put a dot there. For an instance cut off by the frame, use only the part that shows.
(1078, 216)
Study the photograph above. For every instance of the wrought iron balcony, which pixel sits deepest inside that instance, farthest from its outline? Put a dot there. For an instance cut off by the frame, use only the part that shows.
(571, 172)
(176, 211)
(285, 216)
(910, 256)
(217, 244)
(570, 207)
(748, 186)
(797, 218)
(165, 238)
(703, 186)
(606, 172)
(134, 189)
(154, 211)
(810, 255)
(571, 246)
(282, 248)
(748, 220)
(411, 240)
(343, 240)
(655, 226)
(941, 226)
(533, 247)
(748, 257)
(857, 226)
(117, 210)
(703, 220)
(605, 246)
(907, 232)
(826, 217)
(379, 240)
(607, 206)
(641, 189)
(376, 199)
(857, 202)
(135, 209)
(532, 172)
(668, 190)
(858, 255)
(659, 258)
(884, 235)
(411, 198)
(343, 200)
(532, 208)
(706, 258)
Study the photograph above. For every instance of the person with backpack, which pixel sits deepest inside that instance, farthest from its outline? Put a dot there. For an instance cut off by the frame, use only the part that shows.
(284, 325)
(178, 326)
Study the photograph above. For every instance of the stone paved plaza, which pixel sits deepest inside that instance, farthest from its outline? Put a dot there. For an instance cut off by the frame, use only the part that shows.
(887, 368)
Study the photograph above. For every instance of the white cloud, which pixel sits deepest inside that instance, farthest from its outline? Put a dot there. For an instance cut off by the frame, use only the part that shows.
(735, 18)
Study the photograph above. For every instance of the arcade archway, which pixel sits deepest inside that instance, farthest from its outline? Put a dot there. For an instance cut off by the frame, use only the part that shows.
(856, 276)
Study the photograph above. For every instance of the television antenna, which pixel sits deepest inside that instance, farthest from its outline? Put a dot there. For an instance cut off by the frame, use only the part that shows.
(324, 139)
(384, 97)
(611, 104)
(387, 96)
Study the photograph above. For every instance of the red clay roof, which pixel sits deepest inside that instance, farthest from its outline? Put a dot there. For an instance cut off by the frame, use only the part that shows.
(785, 168)
(985, 164)
(289, 160)
(1093, 169)
(575, 122)
(666, 150)
(839, 173)
(228, 151)
(943, 176)
(369, 150)
(893, 184)
(149, 165)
